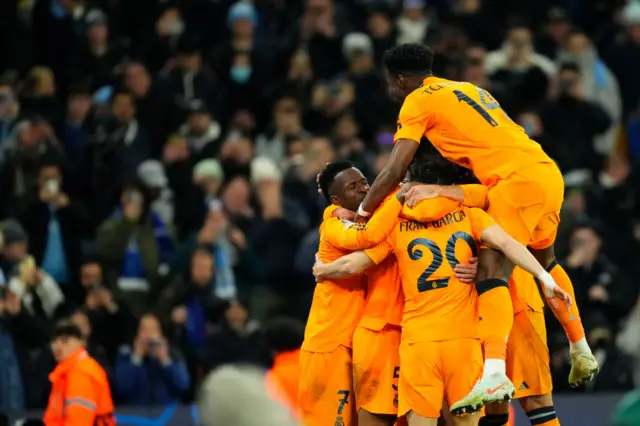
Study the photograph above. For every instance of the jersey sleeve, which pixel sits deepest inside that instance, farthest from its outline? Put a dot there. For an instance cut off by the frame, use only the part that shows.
(413, 120)
(380, 252)
(80, 401)
(360, 236)
(475, 196)
(480, 220)
(431, 209)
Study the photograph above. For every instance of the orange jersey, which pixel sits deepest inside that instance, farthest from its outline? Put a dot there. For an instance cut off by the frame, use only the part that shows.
(468, 127)
(338, 304)
(437, 305)
(385, 301)
(284, 378)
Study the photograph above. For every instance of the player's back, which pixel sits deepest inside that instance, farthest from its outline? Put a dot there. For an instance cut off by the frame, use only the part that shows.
(384, 302)
(469, 128)
(438, 306)
(337, 305)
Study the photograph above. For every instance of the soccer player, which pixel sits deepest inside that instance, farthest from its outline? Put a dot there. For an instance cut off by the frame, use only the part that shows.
(468, 127)
(527, 361)
(376, 339)
(326, 391)
(441, 354)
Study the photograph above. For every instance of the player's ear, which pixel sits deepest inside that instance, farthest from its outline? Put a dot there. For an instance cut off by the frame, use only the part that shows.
(402, 82)
(335, 200)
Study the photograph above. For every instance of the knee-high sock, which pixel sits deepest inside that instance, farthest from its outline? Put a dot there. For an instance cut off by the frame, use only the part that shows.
(569, 318)
(496, 313)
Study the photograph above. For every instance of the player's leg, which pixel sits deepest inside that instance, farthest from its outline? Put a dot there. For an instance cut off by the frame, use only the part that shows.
(584, 365)
(376, 369)
(540, 410)
(496, 319)
(326, 394)
(462, 368)
(496, 414)
(421, 383)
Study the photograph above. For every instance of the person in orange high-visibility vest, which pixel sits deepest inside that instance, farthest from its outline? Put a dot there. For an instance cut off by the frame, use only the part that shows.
(80, 393)
(285, 337)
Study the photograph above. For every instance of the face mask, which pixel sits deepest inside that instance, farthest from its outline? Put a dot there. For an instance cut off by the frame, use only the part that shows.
(241, 74)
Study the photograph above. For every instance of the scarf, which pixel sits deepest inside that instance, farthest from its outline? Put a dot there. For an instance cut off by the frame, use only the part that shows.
(163, 239)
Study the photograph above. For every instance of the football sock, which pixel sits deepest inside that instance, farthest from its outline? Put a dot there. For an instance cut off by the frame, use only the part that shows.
(569, 318)
(496, 319)
(545, 416)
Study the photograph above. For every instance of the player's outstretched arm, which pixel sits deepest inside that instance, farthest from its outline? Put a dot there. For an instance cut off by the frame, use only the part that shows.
(393, 173)
(346, 266)
(356, 236)
(495, 237)
(473, 195)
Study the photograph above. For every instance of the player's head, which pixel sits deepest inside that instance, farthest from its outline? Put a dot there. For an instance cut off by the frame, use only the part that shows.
(406, 66)
(430, 167)
(343, 185)
(284, 334)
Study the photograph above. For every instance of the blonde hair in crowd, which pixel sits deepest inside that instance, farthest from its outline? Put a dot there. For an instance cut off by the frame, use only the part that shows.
(237, 396)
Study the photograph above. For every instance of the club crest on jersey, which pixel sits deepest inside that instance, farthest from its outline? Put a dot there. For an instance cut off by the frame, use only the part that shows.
(348, 224)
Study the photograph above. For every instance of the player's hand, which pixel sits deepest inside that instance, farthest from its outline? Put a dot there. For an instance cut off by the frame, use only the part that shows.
(466, 273)
(401, 195)
(555, 294)
(422, 192)
(317, 269)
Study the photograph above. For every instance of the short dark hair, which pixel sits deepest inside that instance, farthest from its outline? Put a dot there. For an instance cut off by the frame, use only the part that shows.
(430, 167)
(66, 328)
(410, 58)
(328, 175)
(284, 334)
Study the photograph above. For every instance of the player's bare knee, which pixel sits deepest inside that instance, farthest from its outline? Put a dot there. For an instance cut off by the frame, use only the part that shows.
(365, 418)
(535, 402)
(469, 420)
(414, 419)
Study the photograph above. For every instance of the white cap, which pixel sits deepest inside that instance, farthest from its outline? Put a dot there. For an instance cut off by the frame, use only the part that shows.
(151, 173)
(208, 168)
(356, 43)
(264, 168)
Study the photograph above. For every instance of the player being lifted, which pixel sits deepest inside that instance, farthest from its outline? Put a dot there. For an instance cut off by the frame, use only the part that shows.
(468, 127)
(440, 353)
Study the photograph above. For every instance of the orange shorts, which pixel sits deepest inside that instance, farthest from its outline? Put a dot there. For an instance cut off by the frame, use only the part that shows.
(528, 355)
(433, 371)
(376, 369)
(527, 204)
(326, 392)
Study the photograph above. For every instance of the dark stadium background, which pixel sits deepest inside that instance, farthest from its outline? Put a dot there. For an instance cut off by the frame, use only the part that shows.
(197, 127)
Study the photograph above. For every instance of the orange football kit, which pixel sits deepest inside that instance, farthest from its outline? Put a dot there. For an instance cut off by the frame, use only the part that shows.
(326, 391)
(440, 353)
(468, 127)
(527, 352)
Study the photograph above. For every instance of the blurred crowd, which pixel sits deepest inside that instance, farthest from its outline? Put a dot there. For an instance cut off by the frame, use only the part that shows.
(158, 162)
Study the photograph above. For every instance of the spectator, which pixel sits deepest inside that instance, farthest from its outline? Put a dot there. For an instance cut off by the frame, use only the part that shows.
(9, 109)
(237, 339)
(36, 289)
(575, 121)
(597, 84)
(413, 24)
(556, 31)
(152, 175)
(12, 390)
(71, 129)
(14, 248)
(111, 319)
(57, 226)
(150, 372)
(134, 244)
(38, 94)
(81, 320)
